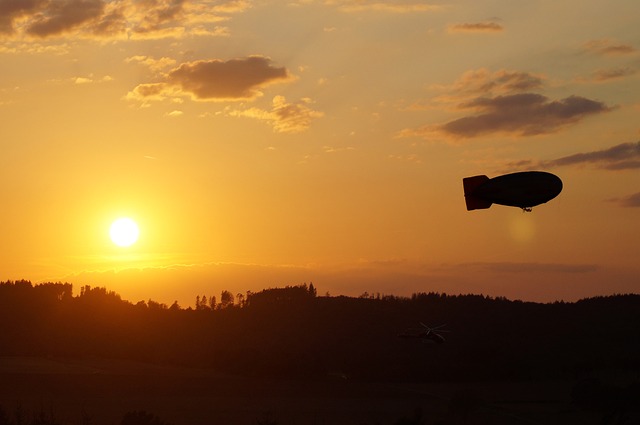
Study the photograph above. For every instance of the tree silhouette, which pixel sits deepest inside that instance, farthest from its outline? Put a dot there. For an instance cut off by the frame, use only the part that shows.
(289, 332)
(226, 299)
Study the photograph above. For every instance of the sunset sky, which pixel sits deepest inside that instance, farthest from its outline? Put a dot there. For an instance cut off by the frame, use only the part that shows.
(270, 143)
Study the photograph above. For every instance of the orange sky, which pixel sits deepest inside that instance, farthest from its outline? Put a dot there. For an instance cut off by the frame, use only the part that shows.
(267, 143)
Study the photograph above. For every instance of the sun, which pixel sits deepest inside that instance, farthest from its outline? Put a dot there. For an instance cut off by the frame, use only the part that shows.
(124, 232)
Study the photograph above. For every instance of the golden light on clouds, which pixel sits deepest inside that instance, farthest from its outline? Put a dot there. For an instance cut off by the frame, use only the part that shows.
(477, 27)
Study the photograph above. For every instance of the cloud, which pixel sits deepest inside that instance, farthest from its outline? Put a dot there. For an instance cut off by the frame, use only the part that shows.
(631, 201)
(213, 32)
(332, 149)
(88, 80)
(36, 48)
(144, 94)
(148, 91)
(482, 82)
(608, 47)
(232, 80)
(508, 267)
(64, 15)
(625, 156)
(523, 114)
(122, 19)
(13, 9)
(482, 27)
(153, 64)
(153, 19)
(618, 157)
(159, 13)
(236, 79)
(113, 22)
(606, 75)
(503, 102)
(284, 117)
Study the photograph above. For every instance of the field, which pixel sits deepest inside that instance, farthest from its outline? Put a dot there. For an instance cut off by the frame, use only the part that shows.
(100, 392)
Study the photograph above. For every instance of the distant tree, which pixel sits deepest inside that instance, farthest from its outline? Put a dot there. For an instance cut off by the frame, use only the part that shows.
(226, 299)
(98, 294)
(55, 291)
(201, 303)
(213, 302)
(312, 290)
(154, 305)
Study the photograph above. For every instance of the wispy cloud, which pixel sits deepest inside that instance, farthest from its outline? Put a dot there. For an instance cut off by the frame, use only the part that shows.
(150, 92)
(35, 48)
(625, 156)
(484, 83)
(153, 64)
(159, 14)
(618, 157)
(476, 27)
(609, 47)
(631, 201)
(606, 75)
(92, 79)
(524, 114)
(217, 80)
(503, 102)
(508, 267)
(284, 117)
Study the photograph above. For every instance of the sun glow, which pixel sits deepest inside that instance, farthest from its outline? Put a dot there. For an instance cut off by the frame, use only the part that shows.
(124, 232)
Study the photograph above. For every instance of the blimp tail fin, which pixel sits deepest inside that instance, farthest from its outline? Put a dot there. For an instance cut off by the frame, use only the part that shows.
(473, 202)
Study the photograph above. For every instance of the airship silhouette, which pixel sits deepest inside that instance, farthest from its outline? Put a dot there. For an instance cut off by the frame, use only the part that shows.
(524, 190)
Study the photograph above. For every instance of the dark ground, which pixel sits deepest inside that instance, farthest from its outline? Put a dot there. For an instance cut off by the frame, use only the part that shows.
(285, 356)
(100, 392)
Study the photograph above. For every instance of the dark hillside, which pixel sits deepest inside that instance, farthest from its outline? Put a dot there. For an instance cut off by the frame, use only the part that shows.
(290, 332)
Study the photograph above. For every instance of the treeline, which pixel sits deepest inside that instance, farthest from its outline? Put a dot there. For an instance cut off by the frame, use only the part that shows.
(292, 332)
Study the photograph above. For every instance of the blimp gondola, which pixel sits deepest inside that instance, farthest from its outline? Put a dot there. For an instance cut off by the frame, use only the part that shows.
(524, 190)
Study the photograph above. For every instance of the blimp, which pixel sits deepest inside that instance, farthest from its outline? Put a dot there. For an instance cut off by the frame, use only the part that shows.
(524, 189)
